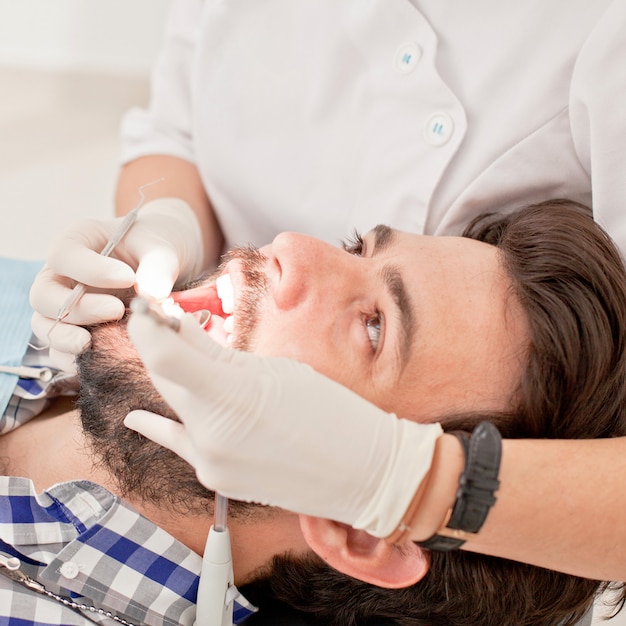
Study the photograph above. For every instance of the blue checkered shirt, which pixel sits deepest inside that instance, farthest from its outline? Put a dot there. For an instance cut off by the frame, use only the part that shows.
(85, 544)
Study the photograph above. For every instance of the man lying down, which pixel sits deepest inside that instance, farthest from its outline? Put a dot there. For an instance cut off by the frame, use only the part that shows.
(521, 321)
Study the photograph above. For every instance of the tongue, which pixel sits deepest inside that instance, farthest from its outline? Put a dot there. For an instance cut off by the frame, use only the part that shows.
(198, 298)
(204, 298)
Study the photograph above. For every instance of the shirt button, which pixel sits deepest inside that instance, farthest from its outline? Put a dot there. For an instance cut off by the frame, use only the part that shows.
(438, 129)
(69, 570)
(407, 57)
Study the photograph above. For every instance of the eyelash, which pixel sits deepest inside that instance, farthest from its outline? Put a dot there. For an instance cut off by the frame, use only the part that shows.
(355, 245)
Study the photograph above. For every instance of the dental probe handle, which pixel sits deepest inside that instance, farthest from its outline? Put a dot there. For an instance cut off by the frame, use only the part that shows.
(77, 293)
(213, 608)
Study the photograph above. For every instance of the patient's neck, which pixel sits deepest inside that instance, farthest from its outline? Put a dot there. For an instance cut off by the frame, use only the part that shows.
(52, 448)
(48, 449)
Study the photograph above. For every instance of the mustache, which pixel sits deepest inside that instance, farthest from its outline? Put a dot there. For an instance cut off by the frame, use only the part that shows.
(251, 258)
(252, 261)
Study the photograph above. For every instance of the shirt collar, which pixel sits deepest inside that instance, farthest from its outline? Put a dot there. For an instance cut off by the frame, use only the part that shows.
(92, 544)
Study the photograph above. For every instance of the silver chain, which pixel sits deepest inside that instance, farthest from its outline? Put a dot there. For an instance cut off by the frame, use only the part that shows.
(10, 568)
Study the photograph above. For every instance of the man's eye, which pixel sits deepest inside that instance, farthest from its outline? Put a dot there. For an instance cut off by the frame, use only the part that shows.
(353, 244)
(372, 325)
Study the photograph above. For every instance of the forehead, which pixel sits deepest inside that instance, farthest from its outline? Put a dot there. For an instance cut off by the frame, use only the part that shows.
(470, 341)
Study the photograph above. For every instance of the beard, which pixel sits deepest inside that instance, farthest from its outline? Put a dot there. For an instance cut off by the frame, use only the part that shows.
(113, 381)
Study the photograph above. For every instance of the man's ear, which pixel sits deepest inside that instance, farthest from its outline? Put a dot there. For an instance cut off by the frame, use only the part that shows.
(358, 554)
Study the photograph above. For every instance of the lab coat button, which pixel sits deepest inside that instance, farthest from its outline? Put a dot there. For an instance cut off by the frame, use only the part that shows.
(438, 129)
(69, 570)
(407, 57)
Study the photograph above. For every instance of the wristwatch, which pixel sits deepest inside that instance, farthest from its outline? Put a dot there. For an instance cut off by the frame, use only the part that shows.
(477, 486)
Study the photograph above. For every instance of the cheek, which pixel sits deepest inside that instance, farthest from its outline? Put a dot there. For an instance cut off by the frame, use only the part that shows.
(293, 342)
(324, 352)
(310, 339)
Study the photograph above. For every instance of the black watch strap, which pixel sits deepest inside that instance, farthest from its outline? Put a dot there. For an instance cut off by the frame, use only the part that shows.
(477, 484)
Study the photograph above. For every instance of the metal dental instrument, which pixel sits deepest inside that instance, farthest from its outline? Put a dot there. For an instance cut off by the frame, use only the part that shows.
(44, 374)
(155, 310)
(215, 604)
(142, 305)
(79, 290)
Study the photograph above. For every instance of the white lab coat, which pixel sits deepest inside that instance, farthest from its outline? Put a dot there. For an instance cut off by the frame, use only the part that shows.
(323, 115)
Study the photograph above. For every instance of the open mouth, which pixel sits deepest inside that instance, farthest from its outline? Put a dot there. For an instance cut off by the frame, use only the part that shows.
(216, 297)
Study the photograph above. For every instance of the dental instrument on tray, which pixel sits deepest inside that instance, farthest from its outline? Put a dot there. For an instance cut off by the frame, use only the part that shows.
(44, 374)
(126, 224)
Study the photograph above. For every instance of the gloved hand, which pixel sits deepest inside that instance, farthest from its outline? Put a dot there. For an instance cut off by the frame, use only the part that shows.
(163, 245)
(274, 431)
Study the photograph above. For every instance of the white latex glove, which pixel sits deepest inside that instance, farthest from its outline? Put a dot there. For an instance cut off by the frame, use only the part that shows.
(163, 245)
(274, 431)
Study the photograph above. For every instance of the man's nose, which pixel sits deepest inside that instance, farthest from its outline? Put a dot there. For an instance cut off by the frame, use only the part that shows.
(308, 269)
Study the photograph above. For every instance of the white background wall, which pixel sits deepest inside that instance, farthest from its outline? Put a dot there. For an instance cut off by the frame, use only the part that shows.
(119, 36)
(69, 69)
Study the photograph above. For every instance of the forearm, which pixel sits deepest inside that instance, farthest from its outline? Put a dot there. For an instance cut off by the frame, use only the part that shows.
(557, 506)
(180, 180)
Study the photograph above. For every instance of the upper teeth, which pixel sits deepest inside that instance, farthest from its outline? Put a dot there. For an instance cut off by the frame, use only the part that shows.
(225, 293)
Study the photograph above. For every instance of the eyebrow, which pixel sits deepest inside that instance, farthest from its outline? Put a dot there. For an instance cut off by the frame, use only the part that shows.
(384, 238)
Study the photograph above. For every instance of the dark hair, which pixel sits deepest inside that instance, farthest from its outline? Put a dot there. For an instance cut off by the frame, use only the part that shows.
(571, 282)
